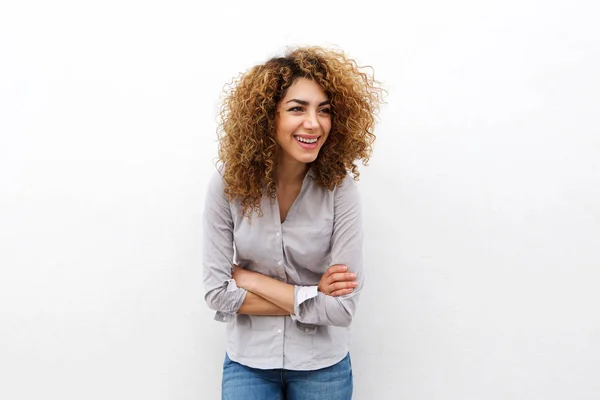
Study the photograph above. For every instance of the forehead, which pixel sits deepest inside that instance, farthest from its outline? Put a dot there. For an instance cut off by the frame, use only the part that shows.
(305, 89)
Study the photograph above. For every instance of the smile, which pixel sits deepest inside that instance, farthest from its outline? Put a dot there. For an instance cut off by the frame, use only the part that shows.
(306, 140)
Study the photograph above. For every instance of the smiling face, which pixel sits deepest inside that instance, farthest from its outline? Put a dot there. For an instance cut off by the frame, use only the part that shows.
(303, 122)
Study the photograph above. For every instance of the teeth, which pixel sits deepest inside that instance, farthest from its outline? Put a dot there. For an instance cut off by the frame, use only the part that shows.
(309, 141)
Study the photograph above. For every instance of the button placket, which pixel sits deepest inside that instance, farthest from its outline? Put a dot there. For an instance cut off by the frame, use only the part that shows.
(280, 267)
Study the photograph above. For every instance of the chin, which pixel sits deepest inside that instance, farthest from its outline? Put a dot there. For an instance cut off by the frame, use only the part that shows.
(306, 158)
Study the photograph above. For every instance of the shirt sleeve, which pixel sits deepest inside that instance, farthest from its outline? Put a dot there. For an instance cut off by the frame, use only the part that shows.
(221, 292)
(346, 248)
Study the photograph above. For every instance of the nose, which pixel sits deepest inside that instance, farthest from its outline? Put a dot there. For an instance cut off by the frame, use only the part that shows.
(310, 122)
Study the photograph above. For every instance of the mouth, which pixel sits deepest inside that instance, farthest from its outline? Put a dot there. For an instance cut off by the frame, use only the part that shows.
(307, 142)
(306, 139)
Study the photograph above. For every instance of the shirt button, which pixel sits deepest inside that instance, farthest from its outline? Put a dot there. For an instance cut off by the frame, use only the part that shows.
(277, 233)
(279, 331)
(306, 330)
(279, 262)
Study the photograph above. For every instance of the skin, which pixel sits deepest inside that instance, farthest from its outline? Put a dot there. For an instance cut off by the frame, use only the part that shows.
(304, 112)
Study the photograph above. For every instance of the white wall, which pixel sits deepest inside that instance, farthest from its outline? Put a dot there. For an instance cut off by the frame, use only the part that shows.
(482, 200)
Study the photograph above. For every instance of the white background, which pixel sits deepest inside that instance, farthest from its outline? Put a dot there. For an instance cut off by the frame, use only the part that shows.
(482, 200)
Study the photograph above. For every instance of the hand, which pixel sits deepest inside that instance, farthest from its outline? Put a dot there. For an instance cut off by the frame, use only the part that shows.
(242, 276)
(336, 281)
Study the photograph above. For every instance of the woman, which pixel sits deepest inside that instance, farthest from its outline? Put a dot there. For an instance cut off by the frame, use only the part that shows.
(282, 226)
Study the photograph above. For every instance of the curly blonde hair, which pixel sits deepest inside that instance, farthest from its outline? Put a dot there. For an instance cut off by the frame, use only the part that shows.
(247, 146)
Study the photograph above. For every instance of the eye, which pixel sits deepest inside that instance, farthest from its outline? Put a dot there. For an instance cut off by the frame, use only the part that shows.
(296, 109)
(325, 110)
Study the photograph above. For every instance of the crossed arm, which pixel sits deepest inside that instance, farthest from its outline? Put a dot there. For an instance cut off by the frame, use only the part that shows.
(268, 296)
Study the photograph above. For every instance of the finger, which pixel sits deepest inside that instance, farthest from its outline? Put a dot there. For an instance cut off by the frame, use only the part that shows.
(343, 285)
(342, 276)
(329, 288)
(341, 292)
(336, 268)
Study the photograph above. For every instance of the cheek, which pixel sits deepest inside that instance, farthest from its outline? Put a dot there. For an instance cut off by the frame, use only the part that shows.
(326, 126)
(279, 130)
(286, 126)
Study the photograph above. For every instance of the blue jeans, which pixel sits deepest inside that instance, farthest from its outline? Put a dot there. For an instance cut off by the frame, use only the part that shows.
(245, 383)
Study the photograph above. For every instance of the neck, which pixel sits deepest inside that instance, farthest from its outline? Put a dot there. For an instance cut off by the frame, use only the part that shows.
(290, 172)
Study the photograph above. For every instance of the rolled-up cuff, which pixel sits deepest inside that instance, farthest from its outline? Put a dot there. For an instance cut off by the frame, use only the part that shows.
(236, 296)
(301, 294)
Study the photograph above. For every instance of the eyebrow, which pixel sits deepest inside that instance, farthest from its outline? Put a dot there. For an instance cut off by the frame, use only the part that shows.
(305, 103)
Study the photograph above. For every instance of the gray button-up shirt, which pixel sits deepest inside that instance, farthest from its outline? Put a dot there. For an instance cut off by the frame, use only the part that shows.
(323, 227)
